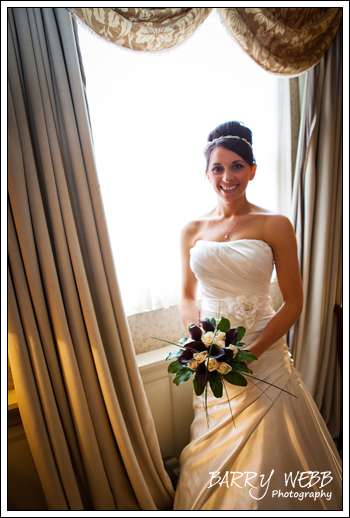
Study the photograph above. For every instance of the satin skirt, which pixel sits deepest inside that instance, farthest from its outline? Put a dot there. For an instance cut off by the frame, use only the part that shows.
(275, 454)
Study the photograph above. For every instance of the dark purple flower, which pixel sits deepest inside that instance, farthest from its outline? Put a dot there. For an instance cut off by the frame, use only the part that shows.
(185, 357)
(191, 348)
(202, 375)
(197, 346)
(207, 325)
(231, 337)
(227, 357)
(195, 332)
(216, 351)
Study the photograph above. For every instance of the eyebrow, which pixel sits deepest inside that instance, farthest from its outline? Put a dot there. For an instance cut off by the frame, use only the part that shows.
(234, 162)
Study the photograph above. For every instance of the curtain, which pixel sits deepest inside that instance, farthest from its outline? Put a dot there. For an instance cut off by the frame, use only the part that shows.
(283, 40)
(80, 395)
(143, 29)
(317, 215)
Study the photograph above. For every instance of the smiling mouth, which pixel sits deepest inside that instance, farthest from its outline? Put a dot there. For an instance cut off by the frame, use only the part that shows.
(228, 189)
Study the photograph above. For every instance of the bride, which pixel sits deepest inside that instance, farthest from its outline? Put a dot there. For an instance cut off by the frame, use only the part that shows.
(278, 453)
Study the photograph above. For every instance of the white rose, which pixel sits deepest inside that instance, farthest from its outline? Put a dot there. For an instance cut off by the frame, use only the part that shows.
(213, 364)
(219, 343)
(192, 364)
(220, 339)
(207, 338)
(200, 357)
(234, 349)
(224, 368)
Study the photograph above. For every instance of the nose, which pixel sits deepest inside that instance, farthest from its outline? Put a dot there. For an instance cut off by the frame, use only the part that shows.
(228, 175)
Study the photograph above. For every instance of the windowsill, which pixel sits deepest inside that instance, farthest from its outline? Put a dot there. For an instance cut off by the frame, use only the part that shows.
(154, 357)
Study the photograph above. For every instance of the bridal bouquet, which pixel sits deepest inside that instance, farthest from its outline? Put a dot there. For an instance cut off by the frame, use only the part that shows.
(213, 355)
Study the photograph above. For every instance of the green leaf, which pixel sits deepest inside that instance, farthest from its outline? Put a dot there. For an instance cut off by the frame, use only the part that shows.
(182, 341)
(223, 325)
(215, 384)
(239, 344)
(235, 378)
(213, 321)
(197, 390)
(237, 358)
(240, 333)
(174, 354)
(174, 367)
(182, 375)
(246, 356)
(243, 367)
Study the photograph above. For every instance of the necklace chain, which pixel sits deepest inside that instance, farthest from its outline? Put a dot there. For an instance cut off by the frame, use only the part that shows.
(233, 226)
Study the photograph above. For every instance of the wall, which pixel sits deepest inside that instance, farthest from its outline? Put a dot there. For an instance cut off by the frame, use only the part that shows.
(171, 406)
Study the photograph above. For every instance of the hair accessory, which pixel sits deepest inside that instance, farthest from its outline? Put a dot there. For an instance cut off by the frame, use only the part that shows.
(224, 137)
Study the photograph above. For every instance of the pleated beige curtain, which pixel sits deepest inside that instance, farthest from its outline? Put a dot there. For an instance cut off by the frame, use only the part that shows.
(80, 395)
(317, 215)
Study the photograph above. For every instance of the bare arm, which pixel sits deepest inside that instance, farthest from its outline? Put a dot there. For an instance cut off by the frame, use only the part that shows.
(188, 303)
(281, 237)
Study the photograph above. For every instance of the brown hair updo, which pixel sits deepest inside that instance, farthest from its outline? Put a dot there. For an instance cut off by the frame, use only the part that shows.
(242, 148)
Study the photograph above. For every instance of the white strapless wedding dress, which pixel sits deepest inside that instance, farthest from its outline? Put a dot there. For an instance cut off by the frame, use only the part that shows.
(258, 463)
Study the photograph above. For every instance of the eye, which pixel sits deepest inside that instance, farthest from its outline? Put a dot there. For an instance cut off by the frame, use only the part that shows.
(238, 166)
(216, 169)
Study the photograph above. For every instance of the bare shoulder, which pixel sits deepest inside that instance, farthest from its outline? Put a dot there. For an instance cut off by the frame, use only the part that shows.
(269, 224)
(278, 223)
(189, 233)
(193, 229)
(279, 231)
(189, 230)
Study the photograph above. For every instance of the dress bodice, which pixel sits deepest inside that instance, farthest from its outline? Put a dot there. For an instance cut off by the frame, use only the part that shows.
(234, 275)
(231, 268)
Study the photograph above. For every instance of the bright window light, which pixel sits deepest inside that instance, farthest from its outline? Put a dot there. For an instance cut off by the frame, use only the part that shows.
(150, 116)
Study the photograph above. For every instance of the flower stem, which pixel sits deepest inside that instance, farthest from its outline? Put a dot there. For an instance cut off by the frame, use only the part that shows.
(206, 404)
(228, 400)
(206, 386)
(261, 390)
(263, 381)
(166, 341)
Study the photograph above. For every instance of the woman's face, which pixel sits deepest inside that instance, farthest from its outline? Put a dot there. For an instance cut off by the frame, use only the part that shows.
(229, 174)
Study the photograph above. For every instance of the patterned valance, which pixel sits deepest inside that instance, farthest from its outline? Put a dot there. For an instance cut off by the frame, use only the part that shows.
(283, 40)
(144, 29)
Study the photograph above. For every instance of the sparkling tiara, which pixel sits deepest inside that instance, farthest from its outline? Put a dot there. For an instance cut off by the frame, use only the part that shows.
(226, 136)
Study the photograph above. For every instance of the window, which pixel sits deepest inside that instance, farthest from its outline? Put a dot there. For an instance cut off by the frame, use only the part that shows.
(151, 115)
